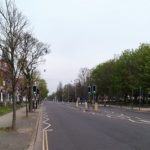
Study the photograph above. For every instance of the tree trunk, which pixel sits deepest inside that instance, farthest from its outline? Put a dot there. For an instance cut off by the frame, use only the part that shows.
(30, 98)
(14, 110)
(26, 105)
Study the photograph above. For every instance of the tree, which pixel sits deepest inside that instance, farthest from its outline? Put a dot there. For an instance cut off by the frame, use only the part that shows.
(102, 77)
(32, 55)
(59, 92)
(125, 75)
(12, 25)
(43, 91)
(83, 77)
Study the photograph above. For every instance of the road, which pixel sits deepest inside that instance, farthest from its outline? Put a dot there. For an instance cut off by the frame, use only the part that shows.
(71, 128)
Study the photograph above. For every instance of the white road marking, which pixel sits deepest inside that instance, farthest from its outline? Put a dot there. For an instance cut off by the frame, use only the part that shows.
(113, 115)
(137, 118)
(45, 130)
(93, 113)
(145, 121)
(108, 116)
(132, 119)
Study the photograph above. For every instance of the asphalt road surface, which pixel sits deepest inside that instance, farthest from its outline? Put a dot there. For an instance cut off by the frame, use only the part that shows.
(71, 128)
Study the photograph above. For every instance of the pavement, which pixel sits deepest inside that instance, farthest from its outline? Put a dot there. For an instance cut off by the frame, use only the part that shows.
(25, 137)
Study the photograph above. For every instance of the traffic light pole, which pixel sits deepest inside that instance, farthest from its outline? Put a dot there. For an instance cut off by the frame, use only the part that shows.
(92, 93)
(94, 98)
(95, 103)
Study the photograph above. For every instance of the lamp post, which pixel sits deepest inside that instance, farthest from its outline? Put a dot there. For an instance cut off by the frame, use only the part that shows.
(76, 99)
(140, 99)
(76, 81)
(68, 92)
(26, 93)
(132, 98)
(68, 88)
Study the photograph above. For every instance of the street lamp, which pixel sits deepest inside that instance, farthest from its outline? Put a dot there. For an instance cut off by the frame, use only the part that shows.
(140, 98)
(76, 81)
(76, 99)
(68, 92)
(68, 87)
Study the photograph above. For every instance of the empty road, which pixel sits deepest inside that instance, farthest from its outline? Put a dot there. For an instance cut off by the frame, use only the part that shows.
(71, 128)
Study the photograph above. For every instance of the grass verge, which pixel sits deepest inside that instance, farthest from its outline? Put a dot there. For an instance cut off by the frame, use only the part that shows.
(6, 129)
(5, 109)
(8, 108)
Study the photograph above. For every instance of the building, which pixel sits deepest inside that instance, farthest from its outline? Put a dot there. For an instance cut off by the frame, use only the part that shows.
(4, 82)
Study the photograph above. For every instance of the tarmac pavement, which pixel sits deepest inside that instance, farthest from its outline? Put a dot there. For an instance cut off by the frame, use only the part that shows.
(25, 135)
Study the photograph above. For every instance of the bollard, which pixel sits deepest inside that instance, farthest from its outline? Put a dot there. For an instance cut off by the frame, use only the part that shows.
(96, 107)
(77, 104)
(86, 106)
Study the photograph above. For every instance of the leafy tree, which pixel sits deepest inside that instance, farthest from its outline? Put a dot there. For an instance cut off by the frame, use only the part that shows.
(43, 90)
(124, 75)
(102, 76)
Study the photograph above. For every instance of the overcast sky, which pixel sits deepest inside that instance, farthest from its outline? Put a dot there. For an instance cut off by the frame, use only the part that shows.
(84, 33)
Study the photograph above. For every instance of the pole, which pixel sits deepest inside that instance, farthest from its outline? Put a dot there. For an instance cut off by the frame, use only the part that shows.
(26, 107)
(132, 99)
(95, 103)
(140, 99)
(26, 101)
(75, 92)
(68, 92)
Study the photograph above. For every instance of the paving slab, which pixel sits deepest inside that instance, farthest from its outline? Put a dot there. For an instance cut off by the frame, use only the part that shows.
(21, 138)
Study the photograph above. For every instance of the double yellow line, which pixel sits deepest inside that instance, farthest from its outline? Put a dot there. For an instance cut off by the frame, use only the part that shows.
(45, 140)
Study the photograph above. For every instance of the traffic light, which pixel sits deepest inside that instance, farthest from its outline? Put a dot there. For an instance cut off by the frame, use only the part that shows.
(89, 89)
(94, 89)
(34, 89)
(37, 91)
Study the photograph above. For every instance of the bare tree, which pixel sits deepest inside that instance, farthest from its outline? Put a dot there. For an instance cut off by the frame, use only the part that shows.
(83, 76)
(59, 91)
(12, 25)
(32, 55)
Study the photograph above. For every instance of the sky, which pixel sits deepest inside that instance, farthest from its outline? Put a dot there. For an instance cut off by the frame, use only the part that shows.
(84, 33)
